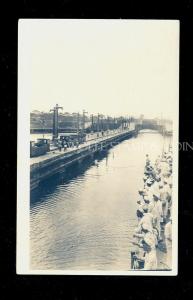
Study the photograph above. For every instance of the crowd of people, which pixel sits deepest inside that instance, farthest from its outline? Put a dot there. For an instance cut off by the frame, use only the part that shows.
(69, 142)
(154, 213)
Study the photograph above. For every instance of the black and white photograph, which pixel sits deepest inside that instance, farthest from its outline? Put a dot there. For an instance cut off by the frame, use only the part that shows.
(97, 178)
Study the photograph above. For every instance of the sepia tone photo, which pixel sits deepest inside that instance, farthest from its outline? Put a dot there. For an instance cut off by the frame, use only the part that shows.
(97, 147)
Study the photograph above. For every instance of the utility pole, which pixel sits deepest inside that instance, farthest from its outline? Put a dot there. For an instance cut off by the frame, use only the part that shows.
(83, 114)
(43, 121)
(122, 123)
(78, 126)
(98, 119)
(55, 120)
(108, 123)
(83, 125)
(78, 122)
(92, 122)
(101, 122)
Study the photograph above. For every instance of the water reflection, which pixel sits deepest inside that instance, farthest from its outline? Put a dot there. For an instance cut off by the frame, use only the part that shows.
(49, 186)
(84, 218)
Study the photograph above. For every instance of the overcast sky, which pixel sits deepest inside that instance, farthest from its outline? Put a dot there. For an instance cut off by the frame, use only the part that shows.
(114, 67)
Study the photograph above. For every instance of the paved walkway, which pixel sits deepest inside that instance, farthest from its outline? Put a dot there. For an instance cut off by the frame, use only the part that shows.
(91, 139)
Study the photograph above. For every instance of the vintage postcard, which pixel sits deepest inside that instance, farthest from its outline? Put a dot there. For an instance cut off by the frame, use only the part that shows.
(97, 188)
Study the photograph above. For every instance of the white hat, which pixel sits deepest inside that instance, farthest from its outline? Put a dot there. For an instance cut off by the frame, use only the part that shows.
(145, 192)
(149, 181)
(156, 195)
(145, 207)
(140, 208)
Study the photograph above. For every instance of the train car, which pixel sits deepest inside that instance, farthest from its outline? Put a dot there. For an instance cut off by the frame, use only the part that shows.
(41, 147)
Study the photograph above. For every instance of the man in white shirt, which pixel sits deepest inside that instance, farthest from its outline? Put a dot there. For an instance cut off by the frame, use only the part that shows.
(164, 196)
(150, 262)
(148, 190)
(155, 187)
(146, 221)
(140, 210)
(168, 240)
(155, 208)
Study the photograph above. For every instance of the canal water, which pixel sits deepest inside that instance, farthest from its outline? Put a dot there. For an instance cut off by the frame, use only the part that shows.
(84, 219)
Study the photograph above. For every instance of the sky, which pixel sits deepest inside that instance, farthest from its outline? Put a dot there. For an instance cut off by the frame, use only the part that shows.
(113, 67)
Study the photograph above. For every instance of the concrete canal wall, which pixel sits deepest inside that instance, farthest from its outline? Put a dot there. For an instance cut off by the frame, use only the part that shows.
(53, 163)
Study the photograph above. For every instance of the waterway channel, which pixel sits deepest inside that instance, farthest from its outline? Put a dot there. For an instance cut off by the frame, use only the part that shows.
(84, 218)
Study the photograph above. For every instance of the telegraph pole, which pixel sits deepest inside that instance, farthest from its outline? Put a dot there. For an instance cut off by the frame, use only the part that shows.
(101, 123)
(108, 124)
(121, 124)
(78, 122)
(78, 126)
(43, 121)
(98, 119)
(55, 120)
(92, 122)
(84, 113)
